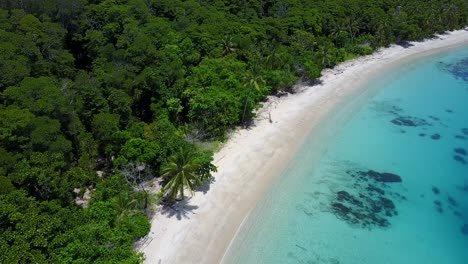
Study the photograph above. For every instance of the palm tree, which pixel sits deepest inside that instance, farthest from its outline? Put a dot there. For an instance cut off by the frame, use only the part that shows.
(125, 205)
(272, 60)
(253, 79)
(181, 170)
(338, 35)
(323, 55)
(228, 45)
(353, 27)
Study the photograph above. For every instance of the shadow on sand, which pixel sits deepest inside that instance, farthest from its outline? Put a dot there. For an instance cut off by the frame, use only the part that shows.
(205, 187)
(179, 209)
(405, 44)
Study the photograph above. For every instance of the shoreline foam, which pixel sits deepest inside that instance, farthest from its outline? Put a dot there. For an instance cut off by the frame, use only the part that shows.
(203, 227)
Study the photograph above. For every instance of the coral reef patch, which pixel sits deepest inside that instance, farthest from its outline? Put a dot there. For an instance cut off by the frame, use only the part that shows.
(409, 121)
(452, 201)
(458, 69)
(369, 204)
(438, 206)
(464, 229)
(460, 151)
(459, 159)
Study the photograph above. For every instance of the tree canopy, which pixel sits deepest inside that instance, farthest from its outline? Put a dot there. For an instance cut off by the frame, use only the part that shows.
(98, 85)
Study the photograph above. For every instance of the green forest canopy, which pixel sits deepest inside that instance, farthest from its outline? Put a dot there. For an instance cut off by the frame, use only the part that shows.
(89, 85)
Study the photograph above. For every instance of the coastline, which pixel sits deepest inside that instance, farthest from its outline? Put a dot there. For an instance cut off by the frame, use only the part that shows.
(203, 227)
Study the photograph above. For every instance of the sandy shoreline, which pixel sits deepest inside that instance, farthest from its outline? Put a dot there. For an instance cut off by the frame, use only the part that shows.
(203, 227)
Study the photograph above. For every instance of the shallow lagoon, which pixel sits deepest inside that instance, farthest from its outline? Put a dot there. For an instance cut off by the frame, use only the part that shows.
(386, 181)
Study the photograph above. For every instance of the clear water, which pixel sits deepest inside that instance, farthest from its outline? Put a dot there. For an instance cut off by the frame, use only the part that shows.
(422, 219)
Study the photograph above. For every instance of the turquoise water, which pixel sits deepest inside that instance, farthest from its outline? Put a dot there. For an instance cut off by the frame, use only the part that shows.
(385, 182)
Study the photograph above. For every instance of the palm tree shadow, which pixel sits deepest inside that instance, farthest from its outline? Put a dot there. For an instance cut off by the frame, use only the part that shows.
(205, 187)
(179, 209)
(405, 44)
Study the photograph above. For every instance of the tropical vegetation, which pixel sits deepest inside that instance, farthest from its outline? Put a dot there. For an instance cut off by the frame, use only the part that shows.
(98, 97)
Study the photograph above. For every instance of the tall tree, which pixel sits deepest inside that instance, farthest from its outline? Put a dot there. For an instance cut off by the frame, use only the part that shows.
(253, 80)
(181, 173)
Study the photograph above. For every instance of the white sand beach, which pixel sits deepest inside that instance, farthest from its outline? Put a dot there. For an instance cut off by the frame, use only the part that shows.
(202, 227)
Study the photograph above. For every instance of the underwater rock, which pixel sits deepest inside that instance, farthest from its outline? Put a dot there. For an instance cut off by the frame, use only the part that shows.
(435, 190)
(381, 177)
(438, 206)
(363, 211)
(387, 203)
(410, 121)
(434, 118)
(372, 188)
(449, 110)
(459, 159)
(345, 196)
(422, 134)
(452, 201)
(460, 151)
(372, 204)
(460, 137)
(386, 107)
(464, 188)
(458, 69)
(341, 209)
(435, 136)
(464, 229)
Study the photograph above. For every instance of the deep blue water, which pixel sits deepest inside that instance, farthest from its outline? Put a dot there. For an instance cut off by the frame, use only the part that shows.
(385, 182)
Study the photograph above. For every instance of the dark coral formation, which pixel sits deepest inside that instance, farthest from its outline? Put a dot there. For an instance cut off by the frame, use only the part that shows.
(409, 121)
(399, 118)
(463, 188)
(364, 211)
(458, 69)
(377, 176)
(435, 136)
(459, 159)
(460, 151)
(460, 137)
(435, 190)
(371, 206)
(452, 201)
(373, 188)
(464, 229)
(387, 107)
(452, 206)
(438, 206)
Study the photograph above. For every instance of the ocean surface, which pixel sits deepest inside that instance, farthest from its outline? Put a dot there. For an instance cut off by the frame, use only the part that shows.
(384, 181)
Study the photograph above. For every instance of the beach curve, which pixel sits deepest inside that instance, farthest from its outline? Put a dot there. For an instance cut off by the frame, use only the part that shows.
(203, 227)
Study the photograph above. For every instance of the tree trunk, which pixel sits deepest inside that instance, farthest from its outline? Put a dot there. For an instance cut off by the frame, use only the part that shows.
(245, 106)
